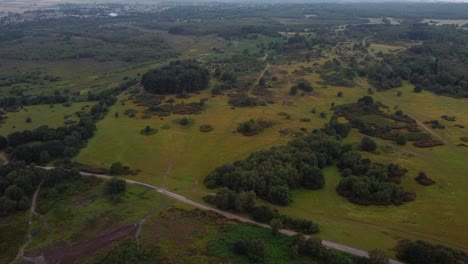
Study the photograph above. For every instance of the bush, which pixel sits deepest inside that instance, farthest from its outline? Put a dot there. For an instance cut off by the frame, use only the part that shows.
(422, 252)
(263, 214)
(117, 168)
(206, 128)
(401, 140)
(148, 131)
(423, 179)
(116, 186)
(367, 144)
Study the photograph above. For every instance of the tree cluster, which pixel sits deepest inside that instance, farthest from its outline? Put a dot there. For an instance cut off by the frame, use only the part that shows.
(312, 247)
(415, 252)
(177, 77)
(365, 182)
(19, 181)
(272, 173)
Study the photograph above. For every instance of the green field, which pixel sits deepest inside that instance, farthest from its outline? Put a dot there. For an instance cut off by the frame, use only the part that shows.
(179, 158)
(281, 47)
(41, 115)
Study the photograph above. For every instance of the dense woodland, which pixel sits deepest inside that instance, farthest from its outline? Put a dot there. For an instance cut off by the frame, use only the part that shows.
(177, 77)
(18, 182)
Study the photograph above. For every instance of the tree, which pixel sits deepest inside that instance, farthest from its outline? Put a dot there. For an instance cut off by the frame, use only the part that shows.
(262, 82)
(262, 214)
(116, 186)
(3, 142)
(28, 120)
(276, 225)
(340, 94)
(6, 205)
(184, 121)
(14, 192)
(366, 100)
(417, 89)
(377, 256)
(367, 144)
(117, 168)
(401, 139)
(312, 178)
(44, 156)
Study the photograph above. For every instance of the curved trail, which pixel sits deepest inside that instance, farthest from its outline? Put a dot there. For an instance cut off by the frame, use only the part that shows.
(32, 212)
(183, 199)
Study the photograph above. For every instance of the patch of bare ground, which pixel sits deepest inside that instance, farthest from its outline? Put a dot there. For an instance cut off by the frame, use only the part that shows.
(82, 250)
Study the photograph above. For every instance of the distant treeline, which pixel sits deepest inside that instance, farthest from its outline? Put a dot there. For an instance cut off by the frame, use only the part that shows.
(177, 77)
(437, 65)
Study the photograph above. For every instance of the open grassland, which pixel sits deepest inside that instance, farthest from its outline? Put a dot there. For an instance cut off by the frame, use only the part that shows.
(41, 115)
(178, 158)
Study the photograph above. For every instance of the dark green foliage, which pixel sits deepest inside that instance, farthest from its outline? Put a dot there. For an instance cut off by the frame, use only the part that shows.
(63, 142)
(226, 199)
(28, 120)
(117, 168)
(300, 225)
(250, 128)
(115, 186)
(303, 85)
(148, 131)
(177, 77)
(367, 144)
(272, 173)
(366, 100)
(375, 184)
(184, 121)
(449, 118)
(415, 252)
(435, 65)
(18, 183)
(263, 214)
(401, 140)
(254, 249)
(3, 142)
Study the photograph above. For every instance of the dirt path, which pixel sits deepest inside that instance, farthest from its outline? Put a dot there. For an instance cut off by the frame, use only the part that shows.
(249, 93)
(183, 199)
(32, 212)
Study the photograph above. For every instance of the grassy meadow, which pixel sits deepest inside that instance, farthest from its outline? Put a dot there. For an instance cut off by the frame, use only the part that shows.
(41, 115)
(179, 158)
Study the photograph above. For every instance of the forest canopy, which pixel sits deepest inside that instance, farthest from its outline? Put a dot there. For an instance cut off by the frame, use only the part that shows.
(176, 78)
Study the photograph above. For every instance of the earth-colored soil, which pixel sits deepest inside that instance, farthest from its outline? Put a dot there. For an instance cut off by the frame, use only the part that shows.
(82, 250)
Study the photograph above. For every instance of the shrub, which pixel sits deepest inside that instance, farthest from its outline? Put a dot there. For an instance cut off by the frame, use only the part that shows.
(206, 128)
(116, 186)
(367, 144)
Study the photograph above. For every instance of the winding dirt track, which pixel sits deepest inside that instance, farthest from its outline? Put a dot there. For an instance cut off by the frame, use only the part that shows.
(181, 198)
